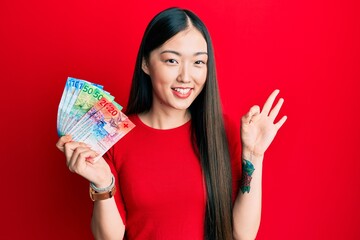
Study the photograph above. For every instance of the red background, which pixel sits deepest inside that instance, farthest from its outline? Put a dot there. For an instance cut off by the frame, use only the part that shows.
(308, 49)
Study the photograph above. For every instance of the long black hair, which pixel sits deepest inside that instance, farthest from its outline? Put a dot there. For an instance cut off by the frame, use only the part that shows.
(208, 133)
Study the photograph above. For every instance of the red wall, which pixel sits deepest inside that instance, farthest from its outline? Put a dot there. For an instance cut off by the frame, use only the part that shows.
(308, 49)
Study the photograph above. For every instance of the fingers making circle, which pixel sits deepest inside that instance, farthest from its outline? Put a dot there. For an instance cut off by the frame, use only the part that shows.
(269, 102)
(255, 113)
(251, 116)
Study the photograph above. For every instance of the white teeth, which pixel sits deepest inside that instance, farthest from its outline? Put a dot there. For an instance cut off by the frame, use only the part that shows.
(182, 90)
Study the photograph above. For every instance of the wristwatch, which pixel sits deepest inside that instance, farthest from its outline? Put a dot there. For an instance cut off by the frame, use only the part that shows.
(95, 196)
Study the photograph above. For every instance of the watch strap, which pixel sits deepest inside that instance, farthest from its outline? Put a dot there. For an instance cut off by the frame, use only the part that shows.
(95, 196)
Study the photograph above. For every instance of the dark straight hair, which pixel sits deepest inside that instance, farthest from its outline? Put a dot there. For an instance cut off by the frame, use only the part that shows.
(207, 126)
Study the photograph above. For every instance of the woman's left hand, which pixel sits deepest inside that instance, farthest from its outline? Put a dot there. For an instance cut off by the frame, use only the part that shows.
(258, 129)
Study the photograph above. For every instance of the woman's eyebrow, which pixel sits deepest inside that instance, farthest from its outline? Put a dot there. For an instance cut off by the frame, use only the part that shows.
(200, 53)
(178, 54)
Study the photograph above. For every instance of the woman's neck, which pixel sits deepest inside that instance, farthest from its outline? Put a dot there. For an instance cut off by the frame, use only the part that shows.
(165, 119)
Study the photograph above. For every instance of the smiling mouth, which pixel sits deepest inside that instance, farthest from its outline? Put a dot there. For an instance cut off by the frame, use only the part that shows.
(182, 93)
(182, 90)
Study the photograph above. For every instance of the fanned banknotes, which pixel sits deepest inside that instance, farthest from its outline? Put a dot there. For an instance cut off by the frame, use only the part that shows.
(89, 114)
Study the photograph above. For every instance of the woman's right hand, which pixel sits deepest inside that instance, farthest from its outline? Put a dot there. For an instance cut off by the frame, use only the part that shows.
(80, 159)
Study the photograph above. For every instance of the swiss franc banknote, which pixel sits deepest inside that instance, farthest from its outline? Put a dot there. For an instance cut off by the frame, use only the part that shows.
(89, 114)
(85, 99)
(73, 88)
(102, 126)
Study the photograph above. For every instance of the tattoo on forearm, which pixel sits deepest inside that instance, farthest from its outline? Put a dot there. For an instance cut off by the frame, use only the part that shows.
(247, 171)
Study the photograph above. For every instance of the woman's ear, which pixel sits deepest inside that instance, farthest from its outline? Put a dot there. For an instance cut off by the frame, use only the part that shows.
(144, 66)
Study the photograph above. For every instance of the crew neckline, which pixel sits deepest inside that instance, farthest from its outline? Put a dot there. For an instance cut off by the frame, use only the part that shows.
(138, 119)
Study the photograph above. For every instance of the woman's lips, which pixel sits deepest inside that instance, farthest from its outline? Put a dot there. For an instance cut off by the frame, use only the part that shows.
(182, 92)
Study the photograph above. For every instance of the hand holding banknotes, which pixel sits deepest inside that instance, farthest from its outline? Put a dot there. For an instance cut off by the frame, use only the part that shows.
(80, 160)
(89, 122)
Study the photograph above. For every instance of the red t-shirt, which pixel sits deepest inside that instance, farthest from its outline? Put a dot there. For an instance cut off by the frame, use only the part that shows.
(160, 189)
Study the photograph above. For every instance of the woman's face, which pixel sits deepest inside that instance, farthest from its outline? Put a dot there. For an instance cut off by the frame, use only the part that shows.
(178, 70)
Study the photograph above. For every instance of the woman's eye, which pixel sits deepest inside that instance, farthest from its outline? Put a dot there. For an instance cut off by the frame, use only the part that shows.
(171, 61)
(200, 62)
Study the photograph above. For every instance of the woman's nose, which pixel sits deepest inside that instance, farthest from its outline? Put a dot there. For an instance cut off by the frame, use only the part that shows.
(184, 74)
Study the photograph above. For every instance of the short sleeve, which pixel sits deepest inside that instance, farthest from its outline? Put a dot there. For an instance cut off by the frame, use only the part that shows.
(109, 158)
(233, 135)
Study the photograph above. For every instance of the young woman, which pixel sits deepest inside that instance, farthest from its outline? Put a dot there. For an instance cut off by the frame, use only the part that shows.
(177, 174)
